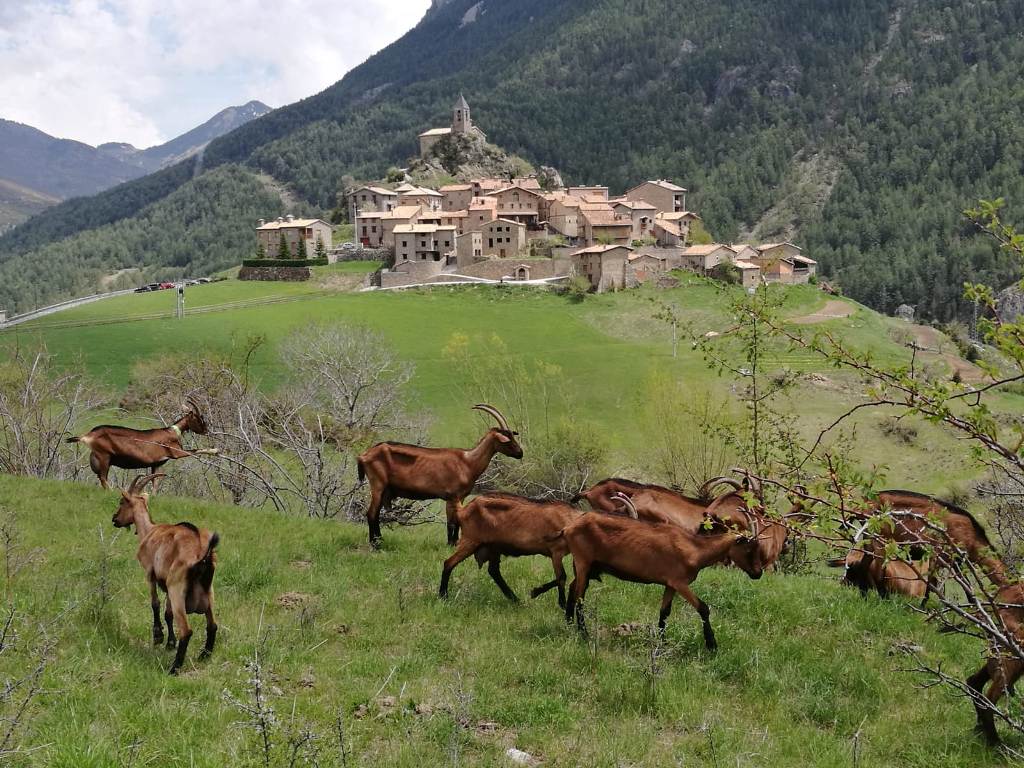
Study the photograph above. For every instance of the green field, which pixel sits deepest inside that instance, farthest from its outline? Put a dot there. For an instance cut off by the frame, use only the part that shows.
(606, 348)
(807, 672)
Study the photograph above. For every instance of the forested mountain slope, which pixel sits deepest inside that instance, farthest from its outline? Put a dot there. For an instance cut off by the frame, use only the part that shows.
(913, 107)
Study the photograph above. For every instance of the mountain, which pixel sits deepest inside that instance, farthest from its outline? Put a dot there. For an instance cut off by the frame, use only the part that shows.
(18, 203)
(188, 143)
(859, 128)
(59, 169)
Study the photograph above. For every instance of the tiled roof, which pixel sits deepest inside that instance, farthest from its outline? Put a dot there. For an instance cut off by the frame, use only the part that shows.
(745, 264)
(456, 188)
(403, 212)
(663, 183)
(436, 132)
(294, 223)
(599, 249)
(704, 250)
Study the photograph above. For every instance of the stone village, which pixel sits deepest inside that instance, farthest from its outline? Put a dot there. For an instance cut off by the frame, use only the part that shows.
(520, 229)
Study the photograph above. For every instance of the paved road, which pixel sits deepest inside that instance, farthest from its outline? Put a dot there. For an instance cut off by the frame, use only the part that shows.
(54, 308)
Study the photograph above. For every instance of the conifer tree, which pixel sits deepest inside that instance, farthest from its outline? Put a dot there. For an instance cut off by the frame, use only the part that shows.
(282, 248)
(302, 254)
(321, 251)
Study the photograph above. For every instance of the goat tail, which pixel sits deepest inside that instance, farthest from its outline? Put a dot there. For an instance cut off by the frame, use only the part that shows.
(73, 439)
(201, 571)
(837, 562)
(577, 498)
(360, 470)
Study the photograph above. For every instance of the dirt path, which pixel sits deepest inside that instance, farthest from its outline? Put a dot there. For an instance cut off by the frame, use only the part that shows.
(833, 310)
(931, 340)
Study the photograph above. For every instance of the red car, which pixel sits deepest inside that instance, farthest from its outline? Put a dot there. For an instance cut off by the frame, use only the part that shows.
(165, 286)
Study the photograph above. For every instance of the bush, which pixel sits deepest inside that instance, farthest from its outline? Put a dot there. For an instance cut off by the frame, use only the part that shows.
(284, 263)
(899, 429)
(577, 288)
(727, 273)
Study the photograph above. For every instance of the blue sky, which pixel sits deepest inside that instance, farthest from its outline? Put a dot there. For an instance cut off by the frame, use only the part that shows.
(144, 71)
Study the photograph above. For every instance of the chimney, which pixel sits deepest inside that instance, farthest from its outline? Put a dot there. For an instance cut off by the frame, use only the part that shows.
(262, 222)
(280, 220)
(290, 218)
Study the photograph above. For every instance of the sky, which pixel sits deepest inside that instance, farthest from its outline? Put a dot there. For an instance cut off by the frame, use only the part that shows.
(145, 71)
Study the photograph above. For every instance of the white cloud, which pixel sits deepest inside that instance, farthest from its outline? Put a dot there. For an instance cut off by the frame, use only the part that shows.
(144, 71)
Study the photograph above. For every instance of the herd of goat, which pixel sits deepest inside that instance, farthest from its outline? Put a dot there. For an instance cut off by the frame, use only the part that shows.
(635, 532)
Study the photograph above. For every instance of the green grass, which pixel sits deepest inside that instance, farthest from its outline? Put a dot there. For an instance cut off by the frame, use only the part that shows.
(607, 347)
(805, 668)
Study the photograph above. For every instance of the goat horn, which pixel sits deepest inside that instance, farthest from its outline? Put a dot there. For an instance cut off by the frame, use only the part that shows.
(752, 482)
(490, 409)
(141, 481)
(627, 503)
(705, 490)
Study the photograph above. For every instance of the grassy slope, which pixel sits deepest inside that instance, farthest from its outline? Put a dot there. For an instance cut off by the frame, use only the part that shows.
(607, 347)
(803, 666)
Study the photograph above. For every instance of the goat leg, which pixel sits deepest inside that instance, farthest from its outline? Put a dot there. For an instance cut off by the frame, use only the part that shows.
(986, 725)
(464, 550)
(169, 618)
(176, 596)
(494, 569)
(154, 600)
(666, 609)
(703, 611)
(452, 515)
(211, 632)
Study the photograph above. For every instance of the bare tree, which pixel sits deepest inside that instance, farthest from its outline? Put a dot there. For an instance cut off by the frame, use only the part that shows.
(39, 406)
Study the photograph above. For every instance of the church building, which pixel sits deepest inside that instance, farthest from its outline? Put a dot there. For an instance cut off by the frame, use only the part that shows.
(462, 124)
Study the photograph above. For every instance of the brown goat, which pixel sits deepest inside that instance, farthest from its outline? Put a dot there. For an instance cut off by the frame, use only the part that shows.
(127, 448)
(656, 504)
(400, 471)
(501, 524)
(180, 560)
(653, 553)
(1002, 669)
(914, 519)
(893, 576)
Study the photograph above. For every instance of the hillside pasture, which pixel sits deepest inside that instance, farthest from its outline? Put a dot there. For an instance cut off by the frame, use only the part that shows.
(807, 672)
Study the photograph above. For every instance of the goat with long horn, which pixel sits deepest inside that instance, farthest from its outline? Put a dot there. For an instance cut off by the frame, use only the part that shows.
(127, 448)
(402, 471)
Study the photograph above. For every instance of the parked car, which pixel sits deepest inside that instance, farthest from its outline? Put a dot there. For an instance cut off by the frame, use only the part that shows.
(142, 289)
(191, 282)
(349, 246)
(165, 286)
(204, 280)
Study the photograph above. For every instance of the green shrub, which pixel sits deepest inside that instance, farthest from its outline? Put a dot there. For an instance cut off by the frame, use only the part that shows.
(284, 263)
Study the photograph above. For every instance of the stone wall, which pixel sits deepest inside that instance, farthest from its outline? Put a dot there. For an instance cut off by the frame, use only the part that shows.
(275, 274)
(538, 269)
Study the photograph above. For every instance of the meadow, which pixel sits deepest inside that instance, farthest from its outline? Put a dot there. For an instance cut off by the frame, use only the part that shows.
(605, 350)
(356, 642)
(807, 672)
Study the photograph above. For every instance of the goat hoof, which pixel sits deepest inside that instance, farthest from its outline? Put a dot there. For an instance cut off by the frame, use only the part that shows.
(158, 639)
(171, 645)
(205, 654)
(173, 671)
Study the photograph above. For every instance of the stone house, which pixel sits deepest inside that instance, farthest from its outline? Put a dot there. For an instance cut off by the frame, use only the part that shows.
(369, 228)
(457, 219)
(456, 197)
(750, 273)
(503, 238)
(462, 124)
(664, 195)
(650, 262)
(424, 242)
(641, 213)
(429, 199)
(595, 192)
(402, 215)
(784, 263)
(469, 249)
(370, 198)
(519, 203)
(602, 225)
(606, 267)
(295, 231)
(703, 258)
(563, 216)
(481, 211)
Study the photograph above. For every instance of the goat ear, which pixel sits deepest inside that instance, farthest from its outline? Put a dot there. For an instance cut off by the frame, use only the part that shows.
(503, 437)
(124, 493)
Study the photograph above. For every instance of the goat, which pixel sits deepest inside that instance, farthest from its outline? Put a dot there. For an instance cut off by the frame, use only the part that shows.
(914, 517)
(180, 560)
(894, 576)
(654, 553)
(113, 446)
(400, 471)
(1003, 669)
(654, 503)
(501, 524)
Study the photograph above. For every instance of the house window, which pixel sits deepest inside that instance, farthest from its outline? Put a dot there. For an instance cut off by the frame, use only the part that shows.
(405, 244)
(490, 242)
(373, 229)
